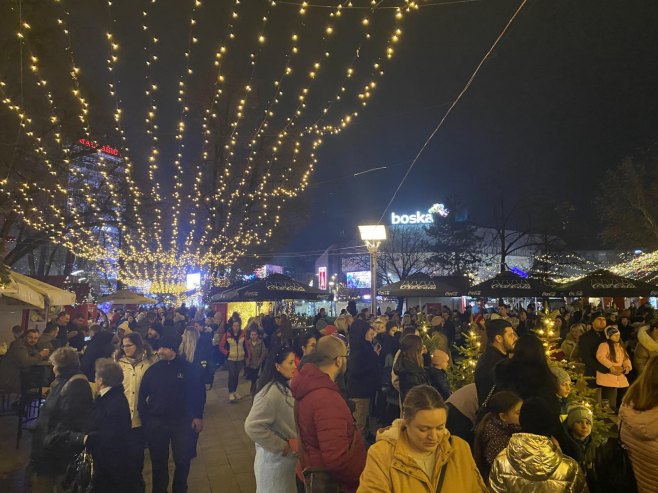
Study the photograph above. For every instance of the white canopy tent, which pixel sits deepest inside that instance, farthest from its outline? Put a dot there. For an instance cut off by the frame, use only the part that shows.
(25, 292)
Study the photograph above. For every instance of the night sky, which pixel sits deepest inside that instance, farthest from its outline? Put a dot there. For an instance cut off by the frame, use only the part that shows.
(569, 93)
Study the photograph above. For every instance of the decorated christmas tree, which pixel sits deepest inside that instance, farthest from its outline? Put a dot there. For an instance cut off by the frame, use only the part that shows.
(463, 371)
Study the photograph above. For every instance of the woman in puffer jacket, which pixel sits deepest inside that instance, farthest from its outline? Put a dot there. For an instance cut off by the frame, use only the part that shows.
(647, 345)
(638, 426)
(532, 460)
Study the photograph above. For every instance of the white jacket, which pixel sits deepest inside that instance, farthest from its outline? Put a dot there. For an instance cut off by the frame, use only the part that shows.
(132, 379)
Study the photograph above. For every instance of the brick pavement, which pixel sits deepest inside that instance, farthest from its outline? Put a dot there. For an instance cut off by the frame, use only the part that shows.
(225, 461)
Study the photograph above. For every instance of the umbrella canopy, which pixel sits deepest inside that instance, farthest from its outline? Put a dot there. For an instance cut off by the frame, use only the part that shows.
(274, 287)
(27, 292)
(420, 285)
(604, 283)
(510, 285)
(126, 297)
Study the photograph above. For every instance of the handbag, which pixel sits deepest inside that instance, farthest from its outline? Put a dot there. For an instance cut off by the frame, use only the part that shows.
(611, 470)
(79, 476)
(483, 410)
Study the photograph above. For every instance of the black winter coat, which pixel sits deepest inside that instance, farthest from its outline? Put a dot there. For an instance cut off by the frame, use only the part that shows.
(108, 442)
(64, 419)
(171, 391)
(410, 375)
(364, 372)
(439, 380)
(484, 371)
(588, 344)
(100, 346)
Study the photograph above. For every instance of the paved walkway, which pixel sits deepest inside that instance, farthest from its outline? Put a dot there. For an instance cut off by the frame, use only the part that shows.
(225, 461)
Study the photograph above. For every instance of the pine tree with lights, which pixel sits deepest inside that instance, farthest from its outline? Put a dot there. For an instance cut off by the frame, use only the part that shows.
(463, 371)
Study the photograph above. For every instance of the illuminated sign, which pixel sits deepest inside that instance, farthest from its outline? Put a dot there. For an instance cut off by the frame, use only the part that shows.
(112, 151)
(420, 217)
(358, 280)
(417, 218)
(322, 278)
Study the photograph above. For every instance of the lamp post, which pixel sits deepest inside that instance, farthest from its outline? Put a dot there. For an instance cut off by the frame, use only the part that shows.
(372, 236)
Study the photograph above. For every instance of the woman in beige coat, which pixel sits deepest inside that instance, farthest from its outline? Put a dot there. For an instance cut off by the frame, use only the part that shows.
(638, 424)
(134, 358)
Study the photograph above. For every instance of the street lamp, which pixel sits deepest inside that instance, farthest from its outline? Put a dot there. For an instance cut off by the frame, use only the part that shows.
(373, 235)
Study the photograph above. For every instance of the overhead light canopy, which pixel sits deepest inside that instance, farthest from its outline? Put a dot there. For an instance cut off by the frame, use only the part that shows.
(373, 232)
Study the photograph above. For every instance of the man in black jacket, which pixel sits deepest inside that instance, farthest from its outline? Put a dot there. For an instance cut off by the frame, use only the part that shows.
(115, 471)
(100, 346)
(588, 344)
(501, 339)
(171, 401)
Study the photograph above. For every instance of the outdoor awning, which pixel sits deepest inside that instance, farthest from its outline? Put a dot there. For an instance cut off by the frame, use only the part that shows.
(420, 285)
(126, 297)
(274, 287)
(605, 283)
(510, 285)
(31, 293)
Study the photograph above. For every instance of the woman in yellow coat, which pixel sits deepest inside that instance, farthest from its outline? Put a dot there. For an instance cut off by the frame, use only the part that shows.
(416, 454)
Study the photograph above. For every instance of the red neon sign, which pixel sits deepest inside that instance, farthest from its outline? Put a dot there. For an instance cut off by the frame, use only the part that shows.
(112, 151)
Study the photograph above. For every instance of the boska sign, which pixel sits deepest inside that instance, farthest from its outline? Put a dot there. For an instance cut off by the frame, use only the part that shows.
(112, 151)
(418, 218)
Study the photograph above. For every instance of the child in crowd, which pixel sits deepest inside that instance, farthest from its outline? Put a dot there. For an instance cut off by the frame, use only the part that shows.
(613, 356)
(563, 390)
(496, 428)
(256, 355)
(579, 426)
(437, 372)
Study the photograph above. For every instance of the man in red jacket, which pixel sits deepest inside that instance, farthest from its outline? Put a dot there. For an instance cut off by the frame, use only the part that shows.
(329, 438)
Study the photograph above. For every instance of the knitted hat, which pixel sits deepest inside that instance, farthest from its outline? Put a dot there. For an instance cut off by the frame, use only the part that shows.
(578, 412)
(329, 329)
(436, 321)
(125, 327)
(610, 331)
(561, 375)
(170, 342)
(536, 417)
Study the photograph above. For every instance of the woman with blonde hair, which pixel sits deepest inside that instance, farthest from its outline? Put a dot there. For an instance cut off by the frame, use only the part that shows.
(638, 426)
(417, 454)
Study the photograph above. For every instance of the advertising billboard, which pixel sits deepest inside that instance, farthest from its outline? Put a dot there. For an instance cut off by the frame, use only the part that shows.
(358, 280)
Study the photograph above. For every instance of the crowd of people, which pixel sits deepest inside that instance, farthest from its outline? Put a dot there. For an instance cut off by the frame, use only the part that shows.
(357, 403)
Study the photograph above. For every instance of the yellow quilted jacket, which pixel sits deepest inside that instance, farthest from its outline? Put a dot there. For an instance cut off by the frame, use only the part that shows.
(390, 468)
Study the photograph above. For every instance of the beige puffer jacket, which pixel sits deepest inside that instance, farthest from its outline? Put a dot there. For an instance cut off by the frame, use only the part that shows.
(532, 463)
(639, 433)
(645, 349)
(132, 379)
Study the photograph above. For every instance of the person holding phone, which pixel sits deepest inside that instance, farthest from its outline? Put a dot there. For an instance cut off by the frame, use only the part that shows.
(364, 376)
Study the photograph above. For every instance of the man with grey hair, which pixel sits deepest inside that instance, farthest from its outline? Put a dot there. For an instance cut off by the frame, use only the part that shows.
(107, 439)
(329, 440)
